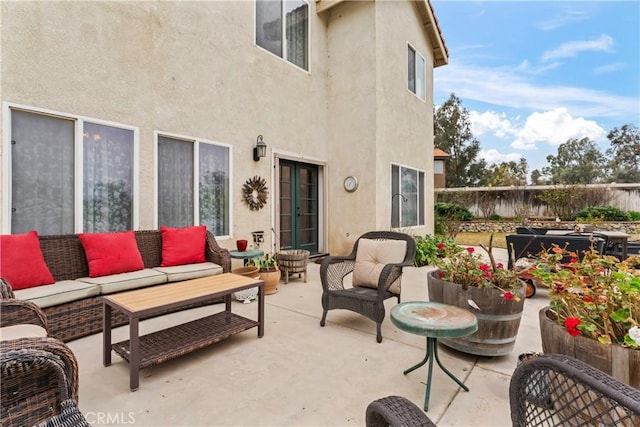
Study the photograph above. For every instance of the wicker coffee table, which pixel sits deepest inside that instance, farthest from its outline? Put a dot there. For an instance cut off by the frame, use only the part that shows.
(160, 346)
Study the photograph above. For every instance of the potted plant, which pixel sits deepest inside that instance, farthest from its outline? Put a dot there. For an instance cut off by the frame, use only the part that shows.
(594, 311)
(269, 272)
(494, 294)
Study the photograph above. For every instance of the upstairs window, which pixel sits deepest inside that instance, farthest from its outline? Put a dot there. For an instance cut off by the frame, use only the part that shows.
(289, 17)
(416, 73)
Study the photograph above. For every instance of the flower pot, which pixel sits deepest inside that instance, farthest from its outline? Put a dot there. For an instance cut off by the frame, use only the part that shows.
(620, 362)
(241, 245)
(248, 271)
(270, 279)
(498, 318)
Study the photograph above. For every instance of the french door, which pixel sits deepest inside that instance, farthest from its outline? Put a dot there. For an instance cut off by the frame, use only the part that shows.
(298, 206)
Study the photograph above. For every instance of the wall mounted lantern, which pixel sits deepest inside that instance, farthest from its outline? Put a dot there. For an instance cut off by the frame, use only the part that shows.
(260, 150)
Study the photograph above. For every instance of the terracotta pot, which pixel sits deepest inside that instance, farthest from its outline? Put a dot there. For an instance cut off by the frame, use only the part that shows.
(498, 319)
(620, 362)
(241, 245)
(270, 279)
(248, 271)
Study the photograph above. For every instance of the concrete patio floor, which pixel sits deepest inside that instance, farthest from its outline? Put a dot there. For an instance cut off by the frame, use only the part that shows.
(300, 374)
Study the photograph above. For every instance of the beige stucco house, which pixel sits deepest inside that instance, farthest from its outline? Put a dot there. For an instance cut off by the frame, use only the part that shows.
(132, 115)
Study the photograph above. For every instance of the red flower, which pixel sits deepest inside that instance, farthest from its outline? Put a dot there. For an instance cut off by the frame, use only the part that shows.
(571, 324)
(508, 295)
(499, 265)
(440, 274)
(484, 267)
(470, 250)
(587, 298)
(573, 260)
(441, 246)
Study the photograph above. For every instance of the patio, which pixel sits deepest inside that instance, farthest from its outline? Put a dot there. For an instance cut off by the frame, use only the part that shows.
(300, 374)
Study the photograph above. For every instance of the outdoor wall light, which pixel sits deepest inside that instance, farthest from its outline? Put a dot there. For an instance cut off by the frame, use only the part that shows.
(260, 150)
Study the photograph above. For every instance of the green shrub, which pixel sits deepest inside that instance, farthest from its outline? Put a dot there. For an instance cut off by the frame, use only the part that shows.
(496, 217)
(427, 250)
(603, 213)
(634, 215)
(453, 211)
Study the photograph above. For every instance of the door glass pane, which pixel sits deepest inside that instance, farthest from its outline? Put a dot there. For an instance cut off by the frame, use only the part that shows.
(395, 196)
(421, 198)
(42, 172)
(175, 182)
(296, 24)
(108, 178)
(214, 188)
(269, 25)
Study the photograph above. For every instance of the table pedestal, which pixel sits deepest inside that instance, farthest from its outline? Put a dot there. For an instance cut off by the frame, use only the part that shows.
(433, 320)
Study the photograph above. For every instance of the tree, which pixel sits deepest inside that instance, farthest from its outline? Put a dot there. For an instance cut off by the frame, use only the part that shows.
(577, 162)
(452, 131)
(624, 154)
(537, 178)
(505, 174)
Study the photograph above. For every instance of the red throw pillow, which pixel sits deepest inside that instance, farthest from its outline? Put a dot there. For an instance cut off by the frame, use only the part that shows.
(21, 261)
(111, 253)
(183, 245)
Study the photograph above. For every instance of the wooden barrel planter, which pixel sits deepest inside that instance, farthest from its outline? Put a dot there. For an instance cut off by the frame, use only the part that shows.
(293, 261)
(620, 362)
(498, 318)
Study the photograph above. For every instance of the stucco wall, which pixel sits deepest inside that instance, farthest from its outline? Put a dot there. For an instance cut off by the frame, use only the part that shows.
(193, 69)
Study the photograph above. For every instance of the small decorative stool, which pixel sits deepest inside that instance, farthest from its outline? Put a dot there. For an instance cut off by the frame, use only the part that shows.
(433, 320)
(293, 261)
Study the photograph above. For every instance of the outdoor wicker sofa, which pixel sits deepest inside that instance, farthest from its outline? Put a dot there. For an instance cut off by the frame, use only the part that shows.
(73, 313)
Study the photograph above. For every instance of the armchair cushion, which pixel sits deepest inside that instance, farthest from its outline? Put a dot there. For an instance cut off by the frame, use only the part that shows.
(21, 261)
(22, 331)
(372, 256)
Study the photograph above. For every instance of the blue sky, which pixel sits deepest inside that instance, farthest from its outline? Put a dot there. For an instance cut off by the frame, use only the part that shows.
(533, 74)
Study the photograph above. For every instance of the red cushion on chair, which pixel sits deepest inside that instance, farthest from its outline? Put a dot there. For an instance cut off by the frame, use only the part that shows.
(183, 245)
(21, 261)
(111, 253)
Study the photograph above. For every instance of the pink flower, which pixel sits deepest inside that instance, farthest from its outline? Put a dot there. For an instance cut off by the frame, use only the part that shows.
(470, 250)
(441, 246)
(500, 265)
(571, 324)
(508, 295)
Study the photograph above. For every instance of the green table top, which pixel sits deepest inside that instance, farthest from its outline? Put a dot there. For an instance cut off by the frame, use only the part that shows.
(253, 253)
(433, 319)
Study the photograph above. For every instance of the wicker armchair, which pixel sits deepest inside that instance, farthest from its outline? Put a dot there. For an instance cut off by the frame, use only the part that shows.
(396, 411)
(35, 390)
(364, 300)
(558, 390)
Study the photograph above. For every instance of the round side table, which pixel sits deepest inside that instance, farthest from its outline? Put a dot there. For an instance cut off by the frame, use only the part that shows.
(246, 255)
(433, 320)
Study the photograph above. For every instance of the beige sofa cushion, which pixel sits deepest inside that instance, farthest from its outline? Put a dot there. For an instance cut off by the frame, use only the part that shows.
(126, 281)
(190, 271)
(15, 332)
(371, 258)
(58, 293)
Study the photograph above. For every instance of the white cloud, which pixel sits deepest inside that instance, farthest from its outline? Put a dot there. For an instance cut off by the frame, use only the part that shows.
(569, 49)
(492, 122)
(509, 87)
(555, 127)
(492, 156)
(610, 68)
(565, 18)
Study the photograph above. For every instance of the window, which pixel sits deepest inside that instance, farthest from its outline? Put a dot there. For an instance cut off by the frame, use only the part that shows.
(407, 197)
(55, 192)
(289, 17)
(416, 73)
(193, 184)
(438, 166)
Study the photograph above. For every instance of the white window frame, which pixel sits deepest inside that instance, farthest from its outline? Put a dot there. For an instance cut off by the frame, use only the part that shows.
(284, 38)
(418, 57)
(196, 173)
(397, 192)
(77, 158)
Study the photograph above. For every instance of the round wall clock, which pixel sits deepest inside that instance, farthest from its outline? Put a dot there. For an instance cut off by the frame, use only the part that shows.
(351, 183)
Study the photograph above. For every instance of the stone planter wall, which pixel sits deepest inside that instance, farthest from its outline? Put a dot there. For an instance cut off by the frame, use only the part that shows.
(630, 227)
